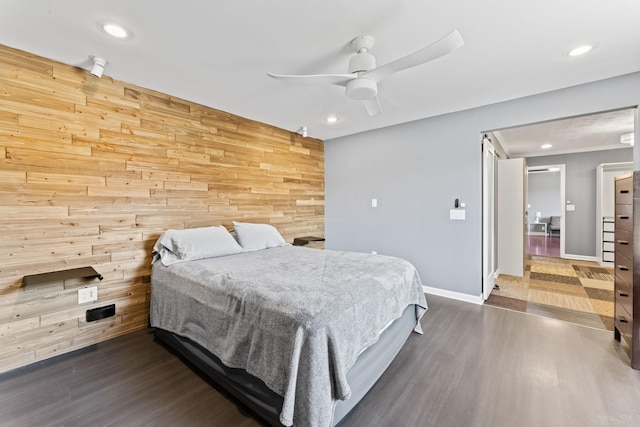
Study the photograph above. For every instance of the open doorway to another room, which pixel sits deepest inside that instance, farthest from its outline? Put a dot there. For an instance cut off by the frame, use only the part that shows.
(564, 276)
(545, 196)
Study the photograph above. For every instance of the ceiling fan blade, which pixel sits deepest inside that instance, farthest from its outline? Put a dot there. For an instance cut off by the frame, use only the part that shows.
(373, 106)
(333, 79)
(445, 45)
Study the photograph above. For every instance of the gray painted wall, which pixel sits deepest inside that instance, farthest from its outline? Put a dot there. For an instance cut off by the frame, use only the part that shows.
(543, 194)
(580, 233)
(416, 170)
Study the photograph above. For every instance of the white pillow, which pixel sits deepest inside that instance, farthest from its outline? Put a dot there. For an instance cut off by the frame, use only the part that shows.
(195, 243)
(253, 237)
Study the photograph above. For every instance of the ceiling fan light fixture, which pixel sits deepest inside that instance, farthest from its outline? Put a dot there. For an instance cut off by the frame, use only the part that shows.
(361, 84)
(361, 89)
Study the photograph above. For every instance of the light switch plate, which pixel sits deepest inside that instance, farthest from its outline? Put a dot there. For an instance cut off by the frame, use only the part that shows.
(571, 207)
(457, 214)
(374, 203)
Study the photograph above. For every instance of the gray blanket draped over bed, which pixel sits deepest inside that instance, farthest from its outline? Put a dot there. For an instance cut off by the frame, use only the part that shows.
(297, 318)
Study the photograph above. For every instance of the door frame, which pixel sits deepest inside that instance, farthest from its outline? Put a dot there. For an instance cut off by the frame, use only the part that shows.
(489, 218)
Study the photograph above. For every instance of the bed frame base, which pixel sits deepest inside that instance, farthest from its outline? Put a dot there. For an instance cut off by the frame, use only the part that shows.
(265, 403)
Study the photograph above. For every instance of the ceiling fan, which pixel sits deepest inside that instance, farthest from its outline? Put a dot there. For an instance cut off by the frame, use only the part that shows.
(361, 82)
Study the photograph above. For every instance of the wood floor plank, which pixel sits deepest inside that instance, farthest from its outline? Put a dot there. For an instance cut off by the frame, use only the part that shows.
(498, 367)
(474, 366)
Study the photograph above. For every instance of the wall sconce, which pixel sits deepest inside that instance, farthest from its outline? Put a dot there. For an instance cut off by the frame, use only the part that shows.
(303, 131)
(98, 66)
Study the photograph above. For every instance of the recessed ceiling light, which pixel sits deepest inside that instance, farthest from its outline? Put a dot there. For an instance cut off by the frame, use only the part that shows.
(581, 50)
(115, 30)
(332, 119)
(546, 146)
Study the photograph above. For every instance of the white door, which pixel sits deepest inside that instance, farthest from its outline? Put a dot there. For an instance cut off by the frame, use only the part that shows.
(488, 218)
(511, 216)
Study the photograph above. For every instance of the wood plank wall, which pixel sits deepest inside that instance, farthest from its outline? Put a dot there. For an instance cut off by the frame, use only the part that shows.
(93, 170)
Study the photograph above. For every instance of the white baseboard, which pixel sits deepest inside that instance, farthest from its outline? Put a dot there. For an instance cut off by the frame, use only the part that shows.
(581, 257)
(453, 295)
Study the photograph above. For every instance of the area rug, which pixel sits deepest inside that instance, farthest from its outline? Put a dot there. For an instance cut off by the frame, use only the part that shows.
(579, 292)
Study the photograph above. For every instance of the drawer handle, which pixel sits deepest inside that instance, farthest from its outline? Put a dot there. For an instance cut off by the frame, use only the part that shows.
(623, 242)
(624, 191)
(623, 268)
(623, 320)
(623, 216)
(624, 294)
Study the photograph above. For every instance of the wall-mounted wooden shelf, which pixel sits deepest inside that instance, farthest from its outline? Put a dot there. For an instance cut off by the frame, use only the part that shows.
(301, 241)
(54, 276)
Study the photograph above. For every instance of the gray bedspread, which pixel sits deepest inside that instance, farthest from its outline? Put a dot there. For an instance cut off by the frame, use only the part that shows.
(295, 317)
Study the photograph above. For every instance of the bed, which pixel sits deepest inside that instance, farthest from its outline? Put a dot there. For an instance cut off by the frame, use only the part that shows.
(297, 334)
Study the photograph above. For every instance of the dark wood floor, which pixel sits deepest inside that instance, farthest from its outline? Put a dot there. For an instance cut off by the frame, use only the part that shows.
(474, 366)
(543, 245)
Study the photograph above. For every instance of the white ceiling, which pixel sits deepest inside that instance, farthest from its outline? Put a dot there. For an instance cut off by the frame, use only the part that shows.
(217, 53)
(577, 134)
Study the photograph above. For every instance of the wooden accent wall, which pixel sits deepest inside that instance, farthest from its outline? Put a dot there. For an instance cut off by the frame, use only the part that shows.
(92, 171)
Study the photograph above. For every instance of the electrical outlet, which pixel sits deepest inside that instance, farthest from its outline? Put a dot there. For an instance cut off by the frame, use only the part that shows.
(87, 294)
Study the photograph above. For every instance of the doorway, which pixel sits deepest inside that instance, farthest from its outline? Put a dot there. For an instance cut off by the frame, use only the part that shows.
(569, 285)
(545, 210)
